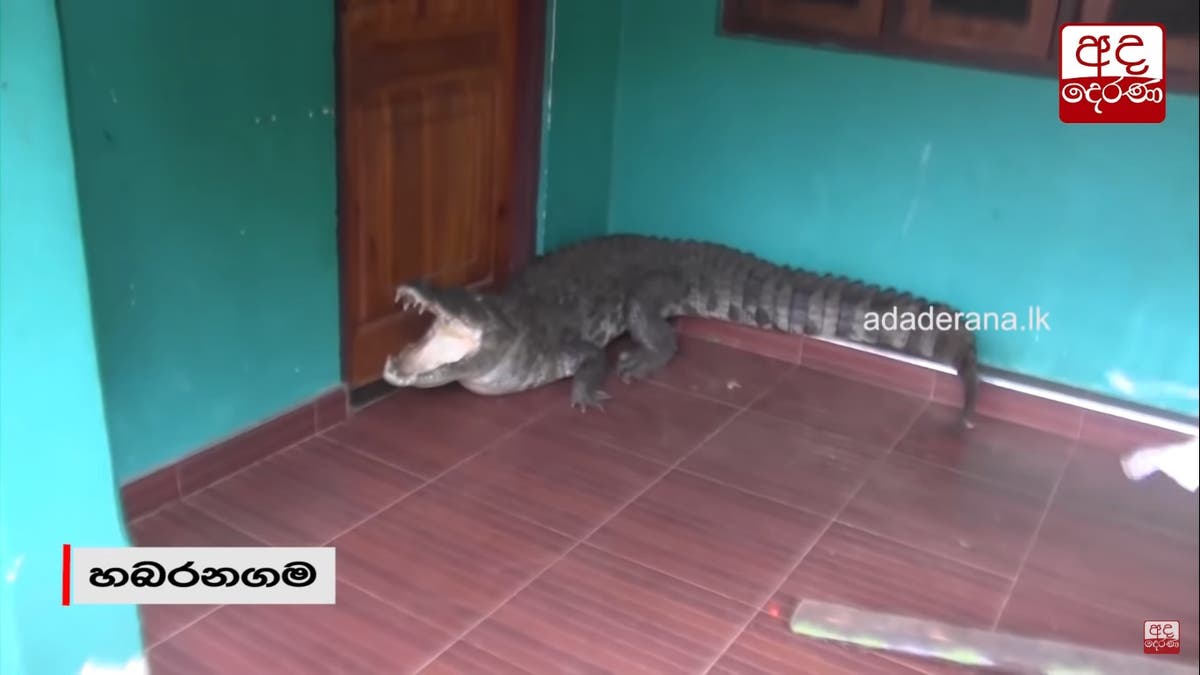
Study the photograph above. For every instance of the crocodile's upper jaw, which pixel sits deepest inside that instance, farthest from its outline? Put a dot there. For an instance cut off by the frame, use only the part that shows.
(429, 362)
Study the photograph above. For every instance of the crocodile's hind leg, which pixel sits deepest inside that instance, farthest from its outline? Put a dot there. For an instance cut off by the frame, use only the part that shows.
(654, 337)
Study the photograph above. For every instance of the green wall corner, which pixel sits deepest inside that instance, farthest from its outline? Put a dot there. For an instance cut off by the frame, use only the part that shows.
(206, 159)
(56, 475)
(583, 39)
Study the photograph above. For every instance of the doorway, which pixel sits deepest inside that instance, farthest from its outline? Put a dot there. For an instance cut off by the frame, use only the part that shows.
(439, 122)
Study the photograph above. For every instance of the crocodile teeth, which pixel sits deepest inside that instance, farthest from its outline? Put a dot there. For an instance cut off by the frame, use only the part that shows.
(409, 302)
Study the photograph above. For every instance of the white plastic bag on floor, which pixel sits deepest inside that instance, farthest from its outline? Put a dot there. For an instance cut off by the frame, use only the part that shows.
(1179, 461)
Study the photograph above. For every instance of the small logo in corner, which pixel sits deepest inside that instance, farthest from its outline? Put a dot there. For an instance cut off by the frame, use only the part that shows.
(1161, 637)
(1112, 73)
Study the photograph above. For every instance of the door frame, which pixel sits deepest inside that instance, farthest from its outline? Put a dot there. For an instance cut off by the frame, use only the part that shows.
(527, 141)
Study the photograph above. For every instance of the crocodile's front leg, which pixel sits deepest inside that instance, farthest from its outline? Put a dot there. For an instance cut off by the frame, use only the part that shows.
(590, 371)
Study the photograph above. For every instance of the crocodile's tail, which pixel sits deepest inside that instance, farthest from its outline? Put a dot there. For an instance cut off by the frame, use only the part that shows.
(968, 372)
(741, 288)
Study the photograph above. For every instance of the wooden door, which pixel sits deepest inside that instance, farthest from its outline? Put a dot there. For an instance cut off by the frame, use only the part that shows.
(428, 111)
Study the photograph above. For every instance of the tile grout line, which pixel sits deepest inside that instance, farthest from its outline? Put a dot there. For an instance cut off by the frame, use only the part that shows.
(1033, 539)
(1039, 393)
(177, 473)
(736, 408)
(892, 658)
(876, 463)
(184, 498)
(783, 580)
(402, 610)
(885, 453)
(407, 494)
(667, 469)
(850, 374)
(934, 554)
(217, 608)
(584, 537)
(430, 481)
(816, 540)
(147, 648)
(653, 568)
(534, 418)
(751, 493)
(856, 376)
(988, 480)
(375, 459)
(308, 436)
(920, 410)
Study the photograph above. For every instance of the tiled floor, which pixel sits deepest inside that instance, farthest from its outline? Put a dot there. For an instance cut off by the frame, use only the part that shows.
(675, 531)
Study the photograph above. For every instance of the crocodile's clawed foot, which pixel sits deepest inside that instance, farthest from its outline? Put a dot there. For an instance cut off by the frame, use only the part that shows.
(637, 364)
(584, 399)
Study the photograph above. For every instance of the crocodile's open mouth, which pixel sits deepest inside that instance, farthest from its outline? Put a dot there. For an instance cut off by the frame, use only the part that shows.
(448, 340)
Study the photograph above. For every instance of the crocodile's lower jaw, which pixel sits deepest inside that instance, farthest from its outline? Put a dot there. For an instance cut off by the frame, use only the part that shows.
(447, 341)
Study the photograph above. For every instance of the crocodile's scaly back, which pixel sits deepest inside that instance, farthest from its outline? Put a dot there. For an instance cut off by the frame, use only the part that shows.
(560, 312)
(591, 283)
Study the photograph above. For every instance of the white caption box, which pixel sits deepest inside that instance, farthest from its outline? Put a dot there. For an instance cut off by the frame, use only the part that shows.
(171, 575)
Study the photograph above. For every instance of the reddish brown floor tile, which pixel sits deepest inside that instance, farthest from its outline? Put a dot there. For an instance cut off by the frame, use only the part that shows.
(1095, 481)
(358, 634)
(544, 474)
(718, 537)
(709, 369)
(768, 647)
(771, 344)
(858, 569)
(656, 422)
(1038, 610)
(854, 409)
(149, 493)
(947, 513)
(180, 525)
(1018, 456)
(594, 612)
(1133, 570)
(445, 558)
(306, 495)
(427, 431)
(228, 457)
(793, 463)
(466, 659)
(871, 368)
(1012, 406)
(917, 536)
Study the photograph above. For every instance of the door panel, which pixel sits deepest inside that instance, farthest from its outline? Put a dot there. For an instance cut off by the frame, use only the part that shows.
(428, 119)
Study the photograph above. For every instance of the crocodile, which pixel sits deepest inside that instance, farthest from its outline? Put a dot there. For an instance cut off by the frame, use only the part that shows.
(558, 315)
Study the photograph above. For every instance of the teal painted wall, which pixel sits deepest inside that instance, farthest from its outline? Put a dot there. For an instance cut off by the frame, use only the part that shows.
(205, 149)
(56, 477)
(955, 183)
(581, 71)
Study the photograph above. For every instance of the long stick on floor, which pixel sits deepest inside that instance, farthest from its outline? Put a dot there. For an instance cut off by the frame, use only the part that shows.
(974, 647)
